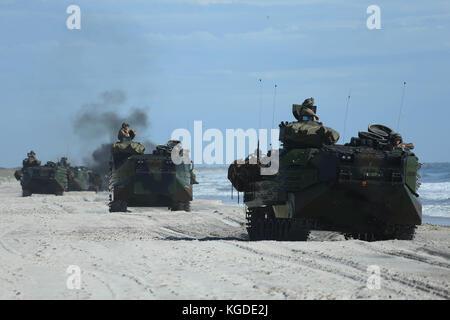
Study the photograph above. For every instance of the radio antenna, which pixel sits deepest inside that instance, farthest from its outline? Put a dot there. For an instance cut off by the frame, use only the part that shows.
(401, 105)
(68, 151)
(260, 102)
(274, 103)
(346, 113)
(259, 123)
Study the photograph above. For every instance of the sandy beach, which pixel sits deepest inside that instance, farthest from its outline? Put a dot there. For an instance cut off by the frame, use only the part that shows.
(153, 253)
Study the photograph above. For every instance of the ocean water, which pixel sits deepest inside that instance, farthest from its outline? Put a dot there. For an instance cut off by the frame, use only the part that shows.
(214, 184)
(434, 192)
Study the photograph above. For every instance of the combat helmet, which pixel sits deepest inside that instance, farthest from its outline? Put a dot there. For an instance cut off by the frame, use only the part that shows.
(394, 137)
(308, 103)
(307, 108)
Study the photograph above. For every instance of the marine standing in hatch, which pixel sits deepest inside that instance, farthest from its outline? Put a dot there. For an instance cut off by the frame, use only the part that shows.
(397, 141)
(64, 162)
(31, 160)
(306, 111)
(126, 133)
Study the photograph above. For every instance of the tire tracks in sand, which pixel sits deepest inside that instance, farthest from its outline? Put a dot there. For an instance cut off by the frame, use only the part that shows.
(327, 263)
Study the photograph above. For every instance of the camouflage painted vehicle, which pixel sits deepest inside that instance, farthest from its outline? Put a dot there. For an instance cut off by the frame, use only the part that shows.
(81, 178)
(47, 179)
(95, 181)
(366, 189)
(139, 179)
(78, 178)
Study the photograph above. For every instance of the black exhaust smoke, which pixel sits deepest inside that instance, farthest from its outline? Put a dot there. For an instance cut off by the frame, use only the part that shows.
(99, 122)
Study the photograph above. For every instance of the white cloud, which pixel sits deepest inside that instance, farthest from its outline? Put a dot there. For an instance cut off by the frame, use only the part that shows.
(312, 73)
(267, 34)
(208, 2)
(223, 72)
(197, 35)
(415, 23)
(36, 46)
(260, 3)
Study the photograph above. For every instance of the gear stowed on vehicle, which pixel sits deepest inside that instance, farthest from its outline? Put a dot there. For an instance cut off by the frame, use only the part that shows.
(366, 189)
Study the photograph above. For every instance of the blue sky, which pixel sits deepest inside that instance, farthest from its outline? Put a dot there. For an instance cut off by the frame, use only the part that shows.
(189, 60)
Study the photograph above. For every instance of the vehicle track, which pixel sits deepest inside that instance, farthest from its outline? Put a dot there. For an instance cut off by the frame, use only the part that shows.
(100, 274)
(407, 255)
(102, 280)
(309, 262)
(386, 275)
(7, 248)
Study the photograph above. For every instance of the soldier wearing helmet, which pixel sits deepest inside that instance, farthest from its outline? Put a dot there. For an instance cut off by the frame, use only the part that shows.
(126, 133)
(31, 160)
(306, 111)
(397, 141)
(64, 162)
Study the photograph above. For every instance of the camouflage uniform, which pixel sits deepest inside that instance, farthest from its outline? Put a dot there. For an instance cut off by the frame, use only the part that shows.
(305, 111)
(307, 131)
(397, 141)
(64, 162)
(124, 134)
(31, 160)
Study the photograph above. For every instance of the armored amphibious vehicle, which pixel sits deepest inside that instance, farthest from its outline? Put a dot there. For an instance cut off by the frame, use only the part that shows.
(47, 179)
(366, 189)
(139, 179)
(81, 178)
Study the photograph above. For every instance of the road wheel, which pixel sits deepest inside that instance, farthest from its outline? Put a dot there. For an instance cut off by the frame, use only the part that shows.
(405, 232)
(180, 206)
(187, 206)
(118, 206)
